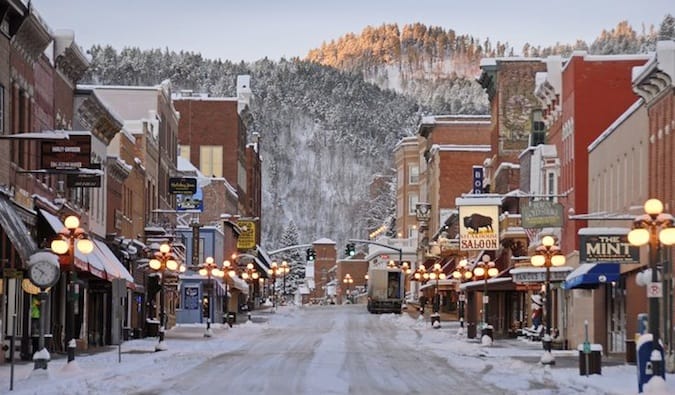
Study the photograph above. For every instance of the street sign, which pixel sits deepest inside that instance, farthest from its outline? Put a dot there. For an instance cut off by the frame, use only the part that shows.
(654, 290)
(12, 273)
(587, 348)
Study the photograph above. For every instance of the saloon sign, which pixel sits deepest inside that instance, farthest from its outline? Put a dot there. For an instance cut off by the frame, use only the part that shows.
(606, 245)
(478, 224)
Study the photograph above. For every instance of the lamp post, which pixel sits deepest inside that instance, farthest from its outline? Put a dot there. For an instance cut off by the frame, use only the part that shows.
(422, 276)
(227, 272)
(462, 272)
(70, 238)
(348, 280)
(250, 275)
(547, 255)
(284, 271)
(437, 274)
(162, 262)
(485, 268)
(654, 228)
(274, 271)
(207, 269)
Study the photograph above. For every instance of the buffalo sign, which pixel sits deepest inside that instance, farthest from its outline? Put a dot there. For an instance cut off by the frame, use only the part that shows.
(478, 223)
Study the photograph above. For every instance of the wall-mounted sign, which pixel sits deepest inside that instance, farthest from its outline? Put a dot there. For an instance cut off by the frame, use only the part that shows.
(478, 224)
(83, 180)
(247, 238)
(193, 202)
(541, 214)
(71, 153)
(537, 275)
(607, 248)
(182, 185)
(477, 180)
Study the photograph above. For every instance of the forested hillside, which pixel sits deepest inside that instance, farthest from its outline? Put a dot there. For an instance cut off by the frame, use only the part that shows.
(329, 122)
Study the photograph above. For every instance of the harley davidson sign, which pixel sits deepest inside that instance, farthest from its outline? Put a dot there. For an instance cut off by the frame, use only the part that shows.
(71, 153)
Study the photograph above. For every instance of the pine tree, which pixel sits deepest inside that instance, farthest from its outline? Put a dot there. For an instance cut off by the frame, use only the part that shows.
(294, 258)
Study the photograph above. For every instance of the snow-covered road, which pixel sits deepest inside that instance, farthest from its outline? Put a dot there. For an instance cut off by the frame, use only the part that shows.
(322, 350)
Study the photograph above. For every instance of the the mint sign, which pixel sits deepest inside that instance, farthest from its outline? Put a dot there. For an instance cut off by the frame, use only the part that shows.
(607, 248)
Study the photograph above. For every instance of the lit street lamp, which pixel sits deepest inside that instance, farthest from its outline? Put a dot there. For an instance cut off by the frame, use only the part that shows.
(654, 228)
(462, 272)
(227, 272)
(348, 280)
(548, 254)
(274, 271)
(71, 237)
(422, 276)
(162, 262)
(284, 271)
(485, 268)
(207, 269)
(437, 274)
(250, 275)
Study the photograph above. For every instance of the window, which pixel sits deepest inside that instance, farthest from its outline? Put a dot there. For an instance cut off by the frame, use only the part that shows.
(413, 174)
(2, 109)
(184, 152)
(211, 160)
(550, 186)
(412, 203)
(412, 232)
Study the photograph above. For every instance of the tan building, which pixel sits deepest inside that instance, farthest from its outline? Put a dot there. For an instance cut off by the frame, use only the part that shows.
(407, 162)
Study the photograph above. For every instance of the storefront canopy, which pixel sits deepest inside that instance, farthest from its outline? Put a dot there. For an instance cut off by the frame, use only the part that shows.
(590, 275)
(15, 229)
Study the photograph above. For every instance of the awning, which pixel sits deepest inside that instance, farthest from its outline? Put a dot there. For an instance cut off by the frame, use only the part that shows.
(113, 266)
(590, 275)
(16, 230)
(240, 284)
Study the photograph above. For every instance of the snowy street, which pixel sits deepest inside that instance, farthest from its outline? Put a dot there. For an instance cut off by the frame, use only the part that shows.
(336, 349)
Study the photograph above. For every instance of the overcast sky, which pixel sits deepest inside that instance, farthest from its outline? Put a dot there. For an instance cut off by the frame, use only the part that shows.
(253, 29)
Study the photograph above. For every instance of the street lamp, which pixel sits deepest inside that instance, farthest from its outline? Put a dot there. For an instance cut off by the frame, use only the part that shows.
(274, 271)
(422, 276)
(162, 262)
(228, 272)
(69, 238)
(348, 280)
(437, 274)
(207, 269)
(548, 254)
(654, 228)
(462, 272)
(284, 271)
(485, 268)
(250, 275)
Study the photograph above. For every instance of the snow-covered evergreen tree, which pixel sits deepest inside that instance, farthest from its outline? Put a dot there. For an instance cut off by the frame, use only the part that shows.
(293, 257)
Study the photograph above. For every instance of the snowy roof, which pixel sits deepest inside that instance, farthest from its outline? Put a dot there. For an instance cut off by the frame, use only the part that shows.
(324, 241)
(460, 148)
(613, 231)
(621, 119)
(127, 102)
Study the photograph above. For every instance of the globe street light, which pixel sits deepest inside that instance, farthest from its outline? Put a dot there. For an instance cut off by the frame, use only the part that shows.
(654, 228)
(250, 275)
(348, 280)
(228, 271)
(547, 255)
(437, 274)
(462, 272)
(69, 238)
(284, 271)
(274, 271)
(162, 262)
(207, 269)
(485, 268)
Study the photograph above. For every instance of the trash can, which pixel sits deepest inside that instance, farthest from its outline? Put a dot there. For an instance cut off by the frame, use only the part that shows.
(435, 320)
(487, 330)
(590, 359)
(471, 330)
(152, 328)
(631, 352)
(126, 333)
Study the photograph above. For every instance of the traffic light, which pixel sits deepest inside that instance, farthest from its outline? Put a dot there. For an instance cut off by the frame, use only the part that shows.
(350, 250)
(311, 254)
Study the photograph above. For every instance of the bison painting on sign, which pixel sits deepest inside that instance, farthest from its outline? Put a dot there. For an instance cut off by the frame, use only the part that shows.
(479, 227)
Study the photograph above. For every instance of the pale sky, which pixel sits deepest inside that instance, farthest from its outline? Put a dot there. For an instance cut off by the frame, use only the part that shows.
(254, 29)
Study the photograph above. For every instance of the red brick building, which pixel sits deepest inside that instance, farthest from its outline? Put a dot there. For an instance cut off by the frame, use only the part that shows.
(596, 90)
